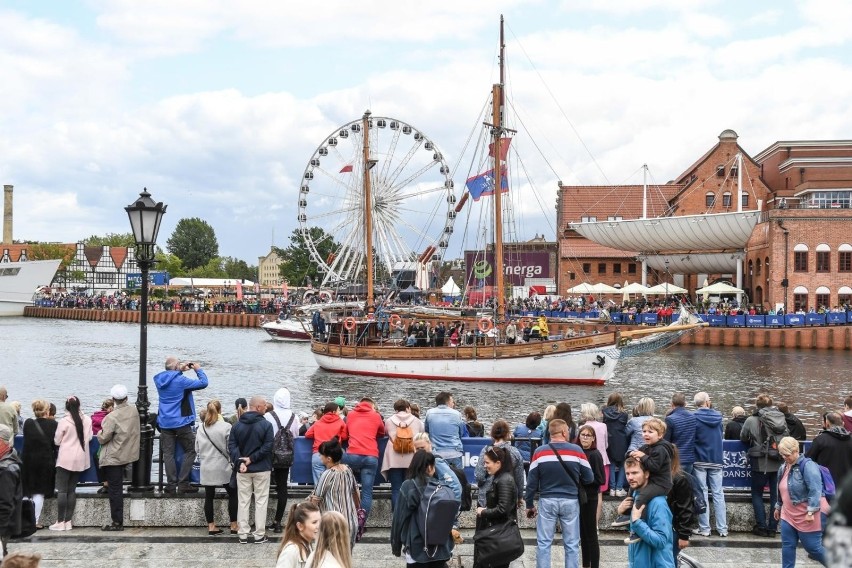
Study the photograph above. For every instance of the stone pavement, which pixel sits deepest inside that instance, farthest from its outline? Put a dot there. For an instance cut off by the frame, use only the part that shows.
(150, 547)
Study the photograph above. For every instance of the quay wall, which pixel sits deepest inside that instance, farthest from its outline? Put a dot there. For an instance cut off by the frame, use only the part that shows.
(816, 337)
(161, 317)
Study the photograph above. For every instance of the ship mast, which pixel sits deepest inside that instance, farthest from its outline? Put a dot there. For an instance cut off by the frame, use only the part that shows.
(497, 135)
(368, 214)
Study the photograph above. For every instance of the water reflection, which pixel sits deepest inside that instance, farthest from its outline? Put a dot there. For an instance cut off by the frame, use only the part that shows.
(53, 359)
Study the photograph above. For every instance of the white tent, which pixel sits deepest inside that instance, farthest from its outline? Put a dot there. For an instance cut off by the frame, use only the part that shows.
(664, 288)
(450, 288)
(634, 288)
(208, 282)
(587, 288)
(719, 288)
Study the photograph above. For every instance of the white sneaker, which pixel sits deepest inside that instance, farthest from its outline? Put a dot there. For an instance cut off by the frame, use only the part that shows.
(612, 493)
(57, 526)
(620, 493)
(68, 526)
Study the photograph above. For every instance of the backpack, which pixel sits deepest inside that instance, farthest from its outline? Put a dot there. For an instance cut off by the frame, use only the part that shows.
(435, 515)
(828, 487)
(282, 444)
(774, 426)
(466, 497)
(699, 504)
(403, 442)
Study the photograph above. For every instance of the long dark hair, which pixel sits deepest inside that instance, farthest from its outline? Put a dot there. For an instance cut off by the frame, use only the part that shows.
(72, 405)
(331, 449)
(417, 470)
(501, 455)
(563, 411)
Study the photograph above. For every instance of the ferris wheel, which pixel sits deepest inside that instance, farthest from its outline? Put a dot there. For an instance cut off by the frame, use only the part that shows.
(413, 201)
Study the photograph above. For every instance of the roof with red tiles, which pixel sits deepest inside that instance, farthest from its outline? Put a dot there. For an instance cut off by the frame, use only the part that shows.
(583, 248)
(604, 201)
(16, 249)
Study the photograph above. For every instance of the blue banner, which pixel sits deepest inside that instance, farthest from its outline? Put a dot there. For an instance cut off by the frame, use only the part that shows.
(815, 319)
(835, 318)
(717, 321)
(794, 319)
(755, 321)
(736, 321)
(648, 319)
(775, 321)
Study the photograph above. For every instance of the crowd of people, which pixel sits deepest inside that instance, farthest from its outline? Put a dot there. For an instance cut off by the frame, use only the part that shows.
(666, 466)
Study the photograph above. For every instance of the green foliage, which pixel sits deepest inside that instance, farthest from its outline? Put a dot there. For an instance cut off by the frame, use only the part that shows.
(194, 241)
(112, 240)
(235, 268)
(298, 266)
(48, 251)
(213, 269)
(169, 263)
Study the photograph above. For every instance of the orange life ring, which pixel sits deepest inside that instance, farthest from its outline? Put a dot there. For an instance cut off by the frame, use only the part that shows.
(349, 323)
(394, 319)
(485, 325)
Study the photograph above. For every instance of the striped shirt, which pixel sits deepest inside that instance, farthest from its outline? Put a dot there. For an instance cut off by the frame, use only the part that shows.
(547, 476)
(335, 489)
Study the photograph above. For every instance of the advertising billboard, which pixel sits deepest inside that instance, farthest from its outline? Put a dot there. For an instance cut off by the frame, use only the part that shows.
(517, 267)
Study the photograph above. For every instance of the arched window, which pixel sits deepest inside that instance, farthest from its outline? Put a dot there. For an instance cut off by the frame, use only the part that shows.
(726, 199)
(757, 266)
(800, 258)
(844, 258)
(800, 299)
(823, 297)
(823, 258)
(844, 296)
(709, 199)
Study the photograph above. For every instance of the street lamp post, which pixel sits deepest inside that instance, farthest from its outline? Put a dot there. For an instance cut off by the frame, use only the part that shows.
(145, 216)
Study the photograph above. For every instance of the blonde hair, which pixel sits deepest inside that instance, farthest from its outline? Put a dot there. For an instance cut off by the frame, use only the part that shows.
(549, 411)
(214, 409)
(589, 412)
(41, 408)
(333, 539)
(656, 425)
(16, 405)
(788, 445)
(421, 436)
(21, 560)
(645, 407)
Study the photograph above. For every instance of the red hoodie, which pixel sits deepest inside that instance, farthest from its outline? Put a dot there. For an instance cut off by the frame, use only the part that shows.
(365, 427)
(326, 428)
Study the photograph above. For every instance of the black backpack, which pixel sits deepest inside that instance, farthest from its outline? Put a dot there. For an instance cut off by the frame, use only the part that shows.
(699, 504)
(466, 497)
(436, 515)
(282, 444)
(773, 425)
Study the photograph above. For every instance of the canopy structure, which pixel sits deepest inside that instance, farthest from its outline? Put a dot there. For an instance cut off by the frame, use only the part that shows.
(450, 288)
(664, 288)
(720, 288)
(634, 288)
(587, 288)
(693, 263)
(686, 232)
(209, 282)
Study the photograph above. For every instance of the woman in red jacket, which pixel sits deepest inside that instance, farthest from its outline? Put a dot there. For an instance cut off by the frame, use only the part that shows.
(323, 430)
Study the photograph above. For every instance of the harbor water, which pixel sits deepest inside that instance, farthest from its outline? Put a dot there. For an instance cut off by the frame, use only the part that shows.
(52, 359)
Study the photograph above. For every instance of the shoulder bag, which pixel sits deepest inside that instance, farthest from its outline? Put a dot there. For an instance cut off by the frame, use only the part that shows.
(499, 544)
(581, 490)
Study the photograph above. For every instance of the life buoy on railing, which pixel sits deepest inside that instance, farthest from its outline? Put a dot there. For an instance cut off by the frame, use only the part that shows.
(395, 319)
(485, 325)
(349, 323)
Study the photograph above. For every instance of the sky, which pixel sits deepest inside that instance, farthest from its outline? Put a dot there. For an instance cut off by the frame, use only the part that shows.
(217, 107)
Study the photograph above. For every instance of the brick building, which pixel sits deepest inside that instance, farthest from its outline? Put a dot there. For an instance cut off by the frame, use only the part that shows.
(796, 195)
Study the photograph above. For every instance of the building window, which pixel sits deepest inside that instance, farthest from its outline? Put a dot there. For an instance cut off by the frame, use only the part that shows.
(587, 267)
(588, 219)
(726, 199)
(844, 261)
(601, 268)
(572, 276)
(616, 268)
(800, 261)
(631, 268)
(745, 200)
(709, 199)
(720, 171)
(615, 218)
(823, 301)
(823, 261)
(800, 302)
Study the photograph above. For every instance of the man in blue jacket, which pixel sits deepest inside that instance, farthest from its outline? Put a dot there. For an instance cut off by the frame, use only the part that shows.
(654, 547)
(250, 447)
(680, 431)
(446, 428)
(709, 463)
(175, 418)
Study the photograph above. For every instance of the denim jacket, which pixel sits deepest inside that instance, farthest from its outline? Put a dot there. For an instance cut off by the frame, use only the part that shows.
(445, 428)
(804, 484)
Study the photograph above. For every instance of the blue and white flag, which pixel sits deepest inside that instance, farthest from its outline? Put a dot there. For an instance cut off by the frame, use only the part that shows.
(483, 184)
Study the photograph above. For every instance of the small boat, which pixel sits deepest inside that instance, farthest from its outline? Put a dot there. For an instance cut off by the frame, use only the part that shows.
(19, 282)
(294, 329)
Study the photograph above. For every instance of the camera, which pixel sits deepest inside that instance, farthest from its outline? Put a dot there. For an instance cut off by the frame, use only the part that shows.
(190, 365)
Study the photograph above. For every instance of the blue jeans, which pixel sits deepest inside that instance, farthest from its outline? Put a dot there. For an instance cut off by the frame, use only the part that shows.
(759, 480)
(687, 467)
(567, 512)
(712, 478)
(617, 480)
(364, 468)
(396, 476)
(811, 541)
(317, 467)
(455, 461)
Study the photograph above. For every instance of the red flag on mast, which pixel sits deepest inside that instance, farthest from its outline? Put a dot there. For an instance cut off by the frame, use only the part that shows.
(504, 148)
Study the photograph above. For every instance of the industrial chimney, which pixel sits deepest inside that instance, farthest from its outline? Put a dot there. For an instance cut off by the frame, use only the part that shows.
(7, 214)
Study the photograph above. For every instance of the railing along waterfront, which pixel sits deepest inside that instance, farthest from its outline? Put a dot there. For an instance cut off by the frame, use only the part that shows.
(737, 475)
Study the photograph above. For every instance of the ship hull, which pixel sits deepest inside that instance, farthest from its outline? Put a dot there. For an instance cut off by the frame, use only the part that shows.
(19, 281)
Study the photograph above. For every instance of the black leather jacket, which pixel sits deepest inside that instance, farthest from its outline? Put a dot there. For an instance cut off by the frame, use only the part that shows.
(501, 501)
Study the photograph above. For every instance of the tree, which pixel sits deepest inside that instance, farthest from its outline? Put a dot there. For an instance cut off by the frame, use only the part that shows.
(111, 240)
(169, 263)
(298, 266)
(193, 241)
(213, 269)
(49, 251)
(237, 269)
